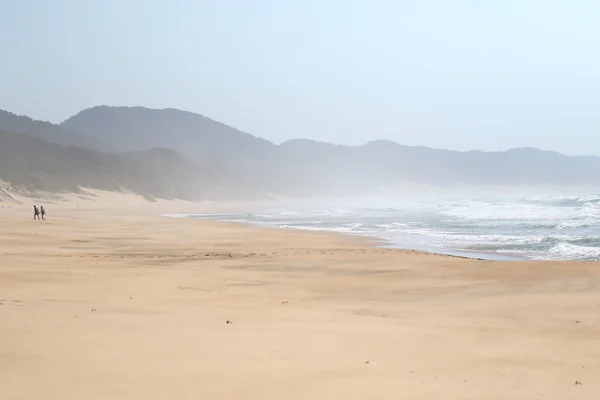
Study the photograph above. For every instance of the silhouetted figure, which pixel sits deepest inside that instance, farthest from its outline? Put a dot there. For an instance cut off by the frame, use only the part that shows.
(36, 213)
(43, 212)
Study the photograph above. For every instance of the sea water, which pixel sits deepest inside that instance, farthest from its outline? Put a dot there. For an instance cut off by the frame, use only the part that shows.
(539, 228)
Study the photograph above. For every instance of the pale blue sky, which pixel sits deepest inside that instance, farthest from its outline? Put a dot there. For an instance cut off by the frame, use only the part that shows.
(454, 74)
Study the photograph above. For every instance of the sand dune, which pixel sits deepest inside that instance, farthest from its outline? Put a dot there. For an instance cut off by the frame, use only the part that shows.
(108, 300)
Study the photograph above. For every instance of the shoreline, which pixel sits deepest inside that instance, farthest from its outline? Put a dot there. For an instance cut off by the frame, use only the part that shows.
(377, 242)
(109, 299)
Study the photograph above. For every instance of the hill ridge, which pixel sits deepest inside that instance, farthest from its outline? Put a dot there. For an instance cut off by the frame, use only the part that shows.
(48, 131)
(215, 153)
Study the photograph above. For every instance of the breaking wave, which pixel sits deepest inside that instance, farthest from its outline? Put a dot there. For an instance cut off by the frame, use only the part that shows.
(541, 228)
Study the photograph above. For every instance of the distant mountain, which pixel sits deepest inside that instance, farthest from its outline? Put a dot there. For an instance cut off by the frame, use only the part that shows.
(305, 167)
(139, 128)
(34, 164)
(385, 163)
(49, 132)
(206, 142)
(177, 153)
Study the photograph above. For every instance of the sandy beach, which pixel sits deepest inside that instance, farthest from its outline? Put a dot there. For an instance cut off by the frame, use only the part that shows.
(109, 300)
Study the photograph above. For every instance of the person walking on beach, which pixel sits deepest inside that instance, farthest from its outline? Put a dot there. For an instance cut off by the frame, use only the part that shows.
(43, 212)
(36, 213)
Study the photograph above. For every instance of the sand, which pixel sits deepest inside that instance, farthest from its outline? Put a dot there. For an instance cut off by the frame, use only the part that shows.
(109, 300)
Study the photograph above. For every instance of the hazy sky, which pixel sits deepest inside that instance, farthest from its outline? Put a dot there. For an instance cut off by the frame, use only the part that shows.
(451, 74)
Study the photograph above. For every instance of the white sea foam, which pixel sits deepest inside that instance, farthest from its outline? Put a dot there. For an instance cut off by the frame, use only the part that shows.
(573, 224)
(568, 251)
(555, 228)
(520, 212)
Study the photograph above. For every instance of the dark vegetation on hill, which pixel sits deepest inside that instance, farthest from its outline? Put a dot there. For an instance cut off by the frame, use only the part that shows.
(173, 153)
(33, 164)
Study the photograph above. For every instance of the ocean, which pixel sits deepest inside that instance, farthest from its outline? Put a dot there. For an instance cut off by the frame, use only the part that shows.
(510, 228)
